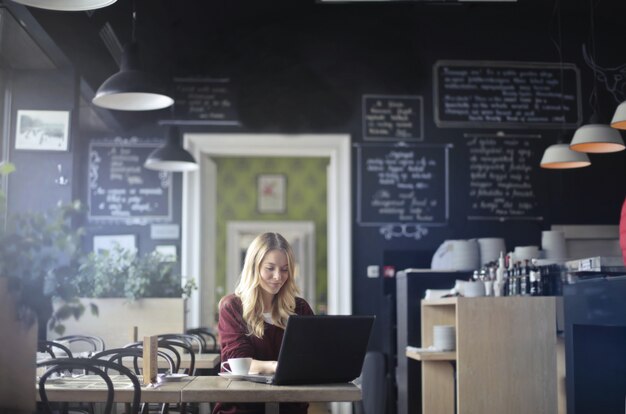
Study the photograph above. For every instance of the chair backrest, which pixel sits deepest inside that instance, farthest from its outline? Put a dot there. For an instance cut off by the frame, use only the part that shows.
(186, 348)
(96, 366)
(166, 347)
(92, 343)
(206, 335)
(373, 384)
(118, 354)
(51, 346)
(187, 338)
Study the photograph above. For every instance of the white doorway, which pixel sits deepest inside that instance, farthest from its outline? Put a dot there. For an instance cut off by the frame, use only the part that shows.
(199, 218)
(299, 234)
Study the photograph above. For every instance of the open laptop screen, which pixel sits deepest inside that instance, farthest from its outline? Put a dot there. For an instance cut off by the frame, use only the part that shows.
(323, 349)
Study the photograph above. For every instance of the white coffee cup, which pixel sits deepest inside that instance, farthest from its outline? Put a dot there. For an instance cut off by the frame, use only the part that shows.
(444, 337)
(237, 366)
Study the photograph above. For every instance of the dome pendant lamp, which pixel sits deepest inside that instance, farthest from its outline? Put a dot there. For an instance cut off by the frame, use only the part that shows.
(560, 156)
(619, 118)
(595, 137)
(131, 89)
(171, 156)
(66, 5)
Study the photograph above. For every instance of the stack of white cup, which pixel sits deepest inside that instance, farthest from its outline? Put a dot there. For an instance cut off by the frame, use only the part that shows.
(444, 337)
(553, 244)
(457, 255)
(490, 248)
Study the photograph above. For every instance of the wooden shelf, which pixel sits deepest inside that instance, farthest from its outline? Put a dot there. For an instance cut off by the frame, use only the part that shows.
(439, 302)
(432, 356)
(489, 331)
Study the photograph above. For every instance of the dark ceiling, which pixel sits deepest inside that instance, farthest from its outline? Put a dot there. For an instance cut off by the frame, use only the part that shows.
(260, 42)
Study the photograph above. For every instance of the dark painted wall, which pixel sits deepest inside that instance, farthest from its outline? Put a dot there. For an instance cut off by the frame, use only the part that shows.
(303, 68)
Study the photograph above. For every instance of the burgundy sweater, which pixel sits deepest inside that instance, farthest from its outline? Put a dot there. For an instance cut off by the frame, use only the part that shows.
(236, 343)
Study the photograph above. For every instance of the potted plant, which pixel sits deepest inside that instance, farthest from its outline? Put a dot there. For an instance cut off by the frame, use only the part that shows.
(136, 295)
(38, 257)
(120, 273)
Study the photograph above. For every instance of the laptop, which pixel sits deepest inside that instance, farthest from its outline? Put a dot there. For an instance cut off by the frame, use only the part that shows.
(320, 349)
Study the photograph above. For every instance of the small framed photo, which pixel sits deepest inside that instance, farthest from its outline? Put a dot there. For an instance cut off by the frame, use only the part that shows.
(109, 243)
(272, 193)
(42, 130)
(167, 252)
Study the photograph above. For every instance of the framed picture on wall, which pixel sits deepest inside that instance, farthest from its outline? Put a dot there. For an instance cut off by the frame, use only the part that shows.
(110, 242)
(272, 193)
(42, 130)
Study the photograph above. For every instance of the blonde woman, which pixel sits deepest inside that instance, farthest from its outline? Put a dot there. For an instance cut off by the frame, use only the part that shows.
(252, 320)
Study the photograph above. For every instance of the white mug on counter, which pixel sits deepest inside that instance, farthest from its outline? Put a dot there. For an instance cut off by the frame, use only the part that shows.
(237, 366)
(470, 289)
(444, 337)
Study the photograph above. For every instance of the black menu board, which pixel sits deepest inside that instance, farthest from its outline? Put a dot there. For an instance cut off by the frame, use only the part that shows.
(204, 101)
(402, 184)
(393, 118)
(121, 189)
(480, 94)
(502, 173)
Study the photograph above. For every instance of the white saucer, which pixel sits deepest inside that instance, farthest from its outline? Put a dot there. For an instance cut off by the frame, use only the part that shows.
(232, 377)
(171, 377)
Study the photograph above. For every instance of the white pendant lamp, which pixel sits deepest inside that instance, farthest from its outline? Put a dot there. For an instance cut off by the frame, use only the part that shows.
(619, 118)
(597, 138)
(131, 89)
(172, 156)
(67, 5)
(560, 156)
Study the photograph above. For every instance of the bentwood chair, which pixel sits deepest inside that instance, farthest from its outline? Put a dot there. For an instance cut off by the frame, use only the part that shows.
(90, 366)
(50, 347)
(118, 354)
(87, 343)
(171, 347)
(189, 339)
(163, 347)
(207, 337)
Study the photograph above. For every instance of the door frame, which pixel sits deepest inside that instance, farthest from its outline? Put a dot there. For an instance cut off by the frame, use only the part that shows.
(199, 206)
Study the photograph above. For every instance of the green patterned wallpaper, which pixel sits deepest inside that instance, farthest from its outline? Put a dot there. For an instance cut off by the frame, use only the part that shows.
(306, 200)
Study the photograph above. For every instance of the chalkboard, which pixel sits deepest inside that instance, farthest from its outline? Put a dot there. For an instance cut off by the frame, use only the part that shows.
(121, 189)
(402, 184)
(204, 101)
(502, 177)
(477, 94)
(393, 118)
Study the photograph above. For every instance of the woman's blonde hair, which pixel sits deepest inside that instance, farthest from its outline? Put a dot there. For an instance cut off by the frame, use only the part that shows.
(249, 287)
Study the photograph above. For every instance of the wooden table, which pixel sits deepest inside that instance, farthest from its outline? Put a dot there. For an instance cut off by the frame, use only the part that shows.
(215, 388)
(203, 361)
(91, 388)
(202, 389)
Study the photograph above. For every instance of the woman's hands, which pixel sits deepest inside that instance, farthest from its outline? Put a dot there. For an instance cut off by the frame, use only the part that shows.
(263, 367)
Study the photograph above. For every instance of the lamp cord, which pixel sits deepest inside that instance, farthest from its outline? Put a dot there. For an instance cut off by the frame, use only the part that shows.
(593, 98)
(558, 45)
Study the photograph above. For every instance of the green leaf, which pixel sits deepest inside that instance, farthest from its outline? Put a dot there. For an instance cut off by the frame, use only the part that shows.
(6, 168)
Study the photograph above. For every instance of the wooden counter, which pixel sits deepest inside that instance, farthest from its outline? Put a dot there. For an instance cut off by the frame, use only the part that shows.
(505, 359)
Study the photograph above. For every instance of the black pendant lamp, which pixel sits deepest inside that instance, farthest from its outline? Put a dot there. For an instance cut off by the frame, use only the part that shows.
(172, 156)
(131, 89)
